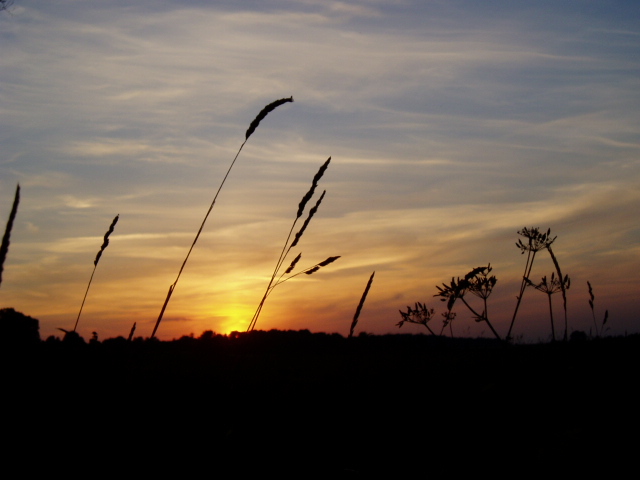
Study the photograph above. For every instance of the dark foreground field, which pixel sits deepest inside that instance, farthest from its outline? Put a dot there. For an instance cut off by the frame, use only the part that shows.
(301, 404)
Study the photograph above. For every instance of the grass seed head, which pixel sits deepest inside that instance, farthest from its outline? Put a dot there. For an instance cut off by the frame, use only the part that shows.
(329, 260)
(105, 242)
(312, 212)
(293, 264)
(312, 190)
(4, 247)
(324, 263)
(263, 113)
(360, 304)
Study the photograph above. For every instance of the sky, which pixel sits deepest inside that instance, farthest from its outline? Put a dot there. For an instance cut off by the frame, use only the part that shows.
(451, 125)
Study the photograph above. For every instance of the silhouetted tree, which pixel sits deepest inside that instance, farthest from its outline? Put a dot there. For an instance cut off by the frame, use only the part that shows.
(18, 328)
(5, 4)
(72, 337)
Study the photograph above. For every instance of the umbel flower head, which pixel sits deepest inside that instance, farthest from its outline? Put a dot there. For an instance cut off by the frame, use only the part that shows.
(554, 285)
(421, 314)
(476, 281)
(481, 284)
(536, 241)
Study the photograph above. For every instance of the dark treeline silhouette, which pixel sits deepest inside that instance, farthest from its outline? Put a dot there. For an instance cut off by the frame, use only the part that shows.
(302, 403)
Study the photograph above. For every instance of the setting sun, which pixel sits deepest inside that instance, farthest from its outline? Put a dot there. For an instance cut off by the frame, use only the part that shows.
(233, 318)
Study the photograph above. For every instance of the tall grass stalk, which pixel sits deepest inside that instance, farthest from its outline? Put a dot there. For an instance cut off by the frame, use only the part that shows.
(4, 248)
(307, 271)
(360, 305)
(105, 243)
(287, 247)
(252, 127)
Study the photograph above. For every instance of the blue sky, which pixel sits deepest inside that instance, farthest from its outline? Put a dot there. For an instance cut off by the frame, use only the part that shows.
(451, 125)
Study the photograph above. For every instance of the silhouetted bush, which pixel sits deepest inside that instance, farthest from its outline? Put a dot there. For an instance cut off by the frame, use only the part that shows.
(17, 328)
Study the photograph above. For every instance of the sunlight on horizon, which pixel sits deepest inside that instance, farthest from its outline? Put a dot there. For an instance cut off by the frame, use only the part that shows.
(235, 318)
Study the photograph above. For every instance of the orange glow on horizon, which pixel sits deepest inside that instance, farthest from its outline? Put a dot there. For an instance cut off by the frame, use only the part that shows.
(233, 317)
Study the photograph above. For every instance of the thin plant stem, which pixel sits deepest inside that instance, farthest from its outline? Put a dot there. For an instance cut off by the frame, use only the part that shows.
(193, 244)
(527, 271)
(279, 263)
(287, 247)
(252, 127)
(593, 314)
(105, 243)
(553, 331)
(484, 317)
(84, 298)
(429, 328)
(563, 289)
(308, 271)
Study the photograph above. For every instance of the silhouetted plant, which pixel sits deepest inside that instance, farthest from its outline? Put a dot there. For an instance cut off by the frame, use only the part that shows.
(307, 271)
(593, 314)
(131, 332)
(536, 241)
(563, 288)
(4, 247)
(420, 315)
(360, 305)
(450, 294)
(447, 321)
(554, 285)
(105, 243)
(252, 127)
(273, 283)
(478, 283)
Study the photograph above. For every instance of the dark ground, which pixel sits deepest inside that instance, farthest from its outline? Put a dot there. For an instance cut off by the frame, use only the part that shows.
(301, 404)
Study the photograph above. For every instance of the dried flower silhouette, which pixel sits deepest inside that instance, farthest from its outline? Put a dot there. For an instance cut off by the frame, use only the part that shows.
(354, 322)
(420, 315)
(554, 285)
(4, 248)
(296, 238)
(252, 127)
(478, 283)
(536, 241)
(105, 244)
